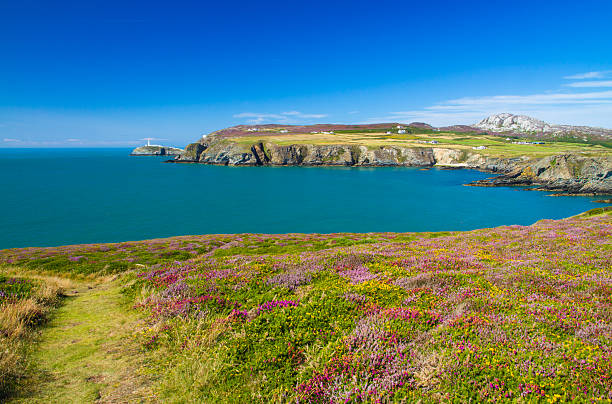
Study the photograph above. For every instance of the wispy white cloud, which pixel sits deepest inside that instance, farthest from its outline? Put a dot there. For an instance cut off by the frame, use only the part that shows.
(284, 117)
(548, 98)
(69, 142)
(114, 143)
(587, 108)
(32, 143)
(596, 83)
(300, 115)
(589, 75)
(255, 117)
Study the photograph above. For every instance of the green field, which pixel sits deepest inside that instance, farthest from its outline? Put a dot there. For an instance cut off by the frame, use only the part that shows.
(496, 146)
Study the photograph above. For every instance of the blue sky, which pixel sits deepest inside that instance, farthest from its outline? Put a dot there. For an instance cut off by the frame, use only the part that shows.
(109, 73)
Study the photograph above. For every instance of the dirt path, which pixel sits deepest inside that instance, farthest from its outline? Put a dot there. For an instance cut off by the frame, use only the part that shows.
(86, 353)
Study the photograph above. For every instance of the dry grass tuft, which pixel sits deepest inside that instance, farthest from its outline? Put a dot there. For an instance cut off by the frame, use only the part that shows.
(430, 367)
(15, 317)
(18, 318)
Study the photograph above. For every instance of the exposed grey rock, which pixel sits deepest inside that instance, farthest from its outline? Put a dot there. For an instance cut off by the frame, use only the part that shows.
(521, 124)
(228, 153)
(154, 150)
(568, 173)
(192, 152)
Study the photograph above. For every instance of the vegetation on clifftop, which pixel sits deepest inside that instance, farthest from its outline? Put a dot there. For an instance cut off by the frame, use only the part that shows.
(496, 146)
(516, 313)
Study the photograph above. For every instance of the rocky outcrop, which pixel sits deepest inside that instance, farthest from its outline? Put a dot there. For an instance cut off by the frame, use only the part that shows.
(567, 173)
(192, 152)
(157, 151)
(521, 124)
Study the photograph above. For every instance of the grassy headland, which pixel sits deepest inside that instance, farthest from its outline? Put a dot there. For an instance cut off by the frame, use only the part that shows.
(496, 146)
(576, 165)
(515, 313)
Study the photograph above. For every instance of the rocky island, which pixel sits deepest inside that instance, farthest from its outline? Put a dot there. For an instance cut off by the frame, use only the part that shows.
(156, 150)
(522, 150)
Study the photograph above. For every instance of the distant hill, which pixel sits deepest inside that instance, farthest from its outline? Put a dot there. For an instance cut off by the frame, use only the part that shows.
(526, 125)
(275, 129)
(503, 124)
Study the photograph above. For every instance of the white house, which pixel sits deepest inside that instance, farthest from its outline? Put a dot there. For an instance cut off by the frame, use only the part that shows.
(401, 131)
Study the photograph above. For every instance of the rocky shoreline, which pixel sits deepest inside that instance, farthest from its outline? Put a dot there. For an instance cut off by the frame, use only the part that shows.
(155, 150)
(566, 174)
(569, 174)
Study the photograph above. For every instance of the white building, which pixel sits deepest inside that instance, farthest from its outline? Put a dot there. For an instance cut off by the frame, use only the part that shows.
(401, 131)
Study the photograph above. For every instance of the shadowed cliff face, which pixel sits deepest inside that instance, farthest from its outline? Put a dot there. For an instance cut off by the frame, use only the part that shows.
(568, 173)
(230, 153)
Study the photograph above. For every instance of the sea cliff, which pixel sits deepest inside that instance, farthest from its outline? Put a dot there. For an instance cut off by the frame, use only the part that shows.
(567, 173)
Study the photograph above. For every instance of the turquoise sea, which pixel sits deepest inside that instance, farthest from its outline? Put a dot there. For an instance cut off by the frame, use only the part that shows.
(70, 196)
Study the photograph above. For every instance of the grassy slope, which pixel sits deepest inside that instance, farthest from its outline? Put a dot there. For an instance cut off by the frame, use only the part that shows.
(86, 353)
(496, 146)
(511, 313)
(26, 300)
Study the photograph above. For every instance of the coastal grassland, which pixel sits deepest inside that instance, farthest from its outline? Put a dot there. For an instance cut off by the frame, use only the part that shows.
(495, 146)
(514, 313)
(89, 261)
(86, 352)
(25, 304)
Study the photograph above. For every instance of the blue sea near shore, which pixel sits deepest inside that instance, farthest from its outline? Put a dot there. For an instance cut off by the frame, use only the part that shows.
(70, 196)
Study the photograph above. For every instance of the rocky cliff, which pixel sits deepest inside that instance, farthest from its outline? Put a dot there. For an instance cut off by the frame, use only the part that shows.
(154, 150)
(568, 173)
(231, 153)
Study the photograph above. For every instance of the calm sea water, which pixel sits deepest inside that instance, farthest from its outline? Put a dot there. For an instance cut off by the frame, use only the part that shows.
(69, 196)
